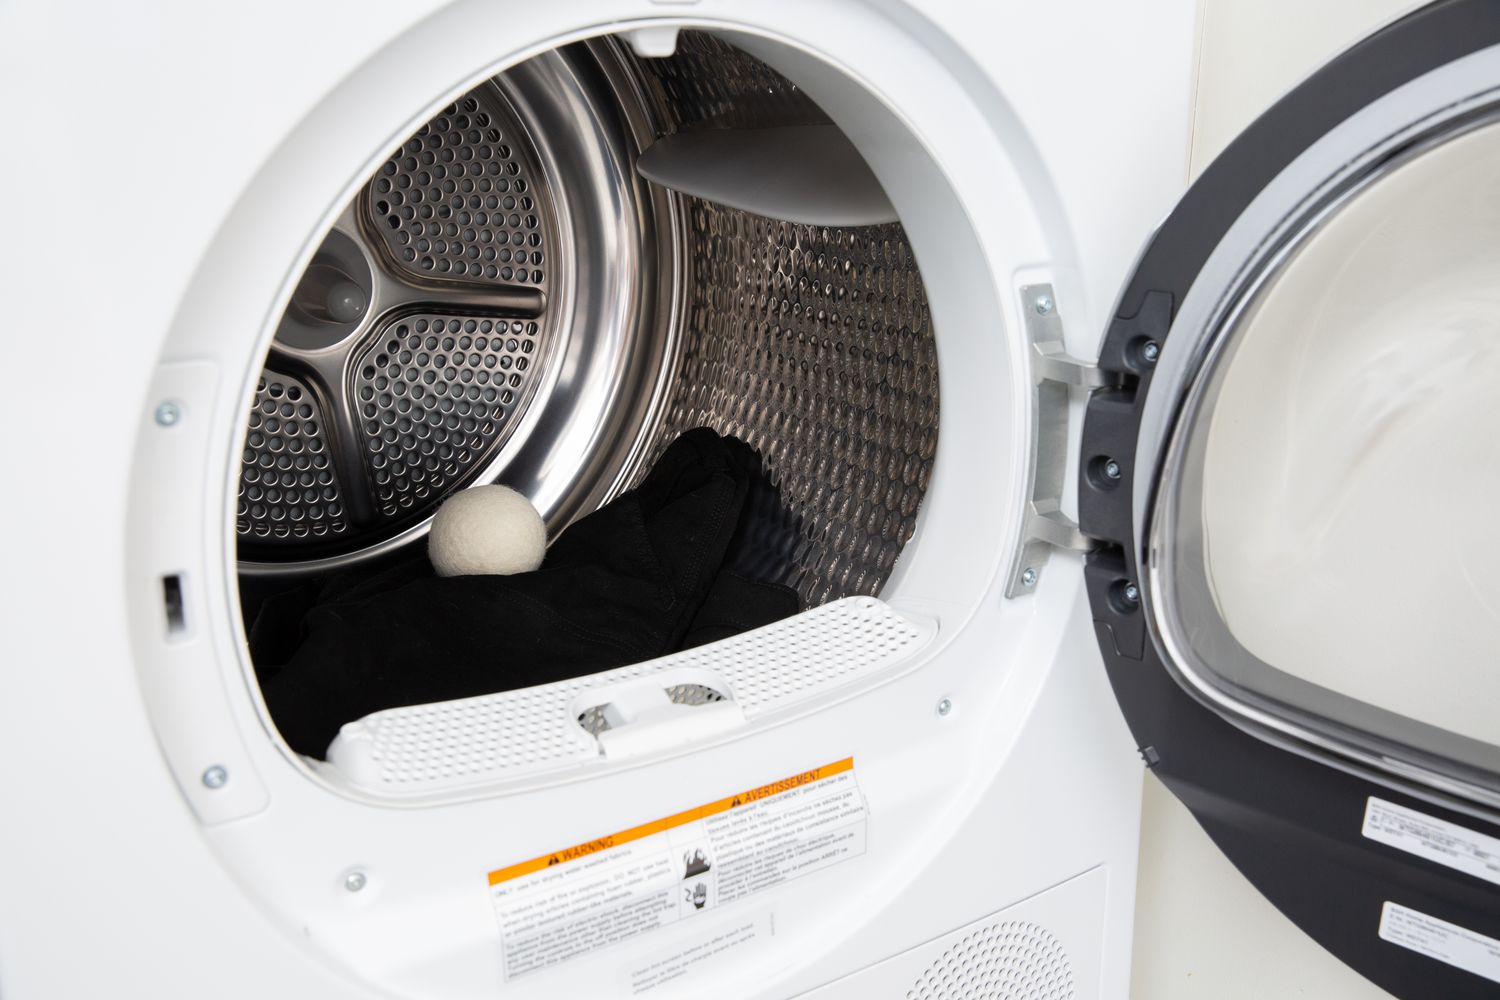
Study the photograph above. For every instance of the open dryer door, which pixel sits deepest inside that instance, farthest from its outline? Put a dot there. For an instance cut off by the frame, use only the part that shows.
(1291, 470)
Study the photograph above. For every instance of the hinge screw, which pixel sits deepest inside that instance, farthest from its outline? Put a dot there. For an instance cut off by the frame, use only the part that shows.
(1150, 352)
(944, 706)
(216, 777)
(168, 413)
(1028, 577)
(355, 881)
(1112, 469)
(1132, 593)
(1043, 305)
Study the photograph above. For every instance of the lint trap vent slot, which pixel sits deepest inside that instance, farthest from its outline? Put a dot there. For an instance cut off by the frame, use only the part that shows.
(596, 718)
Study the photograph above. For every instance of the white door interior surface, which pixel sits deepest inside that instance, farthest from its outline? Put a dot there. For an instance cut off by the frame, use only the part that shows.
(1353, 440)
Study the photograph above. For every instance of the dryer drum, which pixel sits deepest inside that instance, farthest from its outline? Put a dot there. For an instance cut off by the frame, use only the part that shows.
(507, 300)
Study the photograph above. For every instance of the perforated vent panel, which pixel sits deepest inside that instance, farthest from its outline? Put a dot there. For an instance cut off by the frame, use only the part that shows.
(288, 491)
(693, 694)
(429, 748)
(457, 200)
(815, 345)
(436, 397)
(1010, 960)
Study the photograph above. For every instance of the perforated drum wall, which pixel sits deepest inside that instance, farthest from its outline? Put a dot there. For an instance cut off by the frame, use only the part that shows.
(456, 199)
(436, 395)
(287, 487)
(453, 231)
(813, 344)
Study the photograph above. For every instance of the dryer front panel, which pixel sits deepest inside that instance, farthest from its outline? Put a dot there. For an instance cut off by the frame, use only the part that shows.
(325, 384)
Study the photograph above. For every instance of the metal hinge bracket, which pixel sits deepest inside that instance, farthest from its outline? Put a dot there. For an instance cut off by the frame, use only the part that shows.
(1053, 370)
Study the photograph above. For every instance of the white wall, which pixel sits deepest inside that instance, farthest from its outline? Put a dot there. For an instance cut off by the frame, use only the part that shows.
(1202, 931)
(1251, 52)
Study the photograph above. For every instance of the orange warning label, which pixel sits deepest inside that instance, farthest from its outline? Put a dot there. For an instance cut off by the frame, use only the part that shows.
(682, 868)
(725, 804)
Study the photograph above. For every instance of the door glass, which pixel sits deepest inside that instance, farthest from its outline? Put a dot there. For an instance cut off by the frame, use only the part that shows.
(1328, 545)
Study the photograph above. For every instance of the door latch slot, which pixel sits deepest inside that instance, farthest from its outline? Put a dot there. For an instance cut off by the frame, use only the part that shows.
(174, 605)
(1054, 372)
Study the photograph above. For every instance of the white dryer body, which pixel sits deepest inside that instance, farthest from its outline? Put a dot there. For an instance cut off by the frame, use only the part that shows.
(165, 841)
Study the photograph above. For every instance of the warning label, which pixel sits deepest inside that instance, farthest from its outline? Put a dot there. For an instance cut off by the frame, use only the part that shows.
(610, 889)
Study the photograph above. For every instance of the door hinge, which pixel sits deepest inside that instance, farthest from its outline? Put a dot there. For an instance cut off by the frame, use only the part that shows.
(1053, 371)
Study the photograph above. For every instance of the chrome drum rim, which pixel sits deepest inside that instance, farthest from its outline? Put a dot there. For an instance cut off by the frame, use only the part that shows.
(555, 374)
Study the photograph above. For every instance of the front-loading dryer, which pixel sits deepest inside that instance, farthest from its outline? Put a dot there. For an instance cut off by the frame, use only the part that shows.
(383, 254)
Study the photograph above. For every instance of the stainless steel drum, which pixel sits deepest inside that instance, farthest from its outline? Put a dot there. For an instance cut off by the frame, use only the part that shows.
(506, 300)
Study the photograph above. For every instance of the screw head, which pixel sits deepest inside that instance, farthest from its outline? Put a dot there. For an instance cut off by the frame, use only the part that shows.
(355, 881)
(168, 413)
(216, 776)
(1112, 469)
(1044, 305)
(1029, 576)
(1132, 593)
(1150, 352)
(944, 706)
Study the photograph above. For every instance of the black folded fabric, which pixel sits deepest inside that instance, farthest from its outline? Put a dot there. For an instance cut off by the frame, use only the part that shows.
(650, 573)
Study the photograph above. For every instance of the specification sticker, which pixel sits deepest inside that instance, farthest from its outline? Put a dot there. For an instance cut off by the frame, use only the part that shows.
(587, 896)
(1450, 943)
(1432, 838)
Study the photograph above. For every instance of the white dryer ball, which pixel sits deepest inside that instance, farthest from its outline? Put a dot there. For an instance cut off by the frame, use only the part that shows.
(486, 530)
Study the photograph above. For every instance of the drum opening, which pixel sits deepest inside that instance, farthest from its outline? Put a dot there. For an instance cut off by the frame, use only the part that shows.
(508, 299)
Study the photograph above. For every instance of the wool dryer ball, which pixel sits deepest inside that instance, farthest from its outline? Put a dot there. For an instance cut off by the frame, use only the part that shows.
(486, 530)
